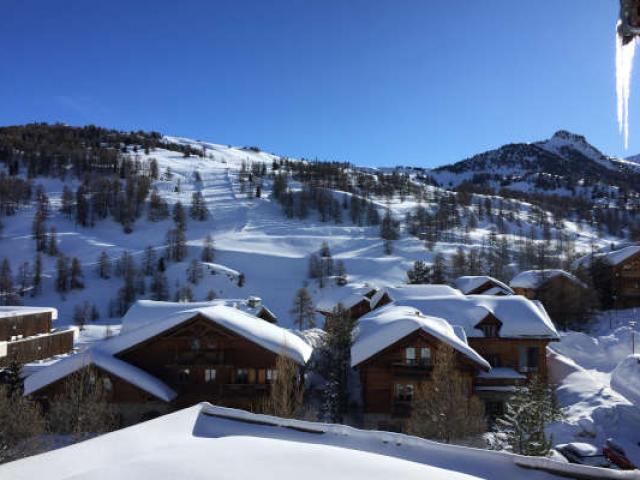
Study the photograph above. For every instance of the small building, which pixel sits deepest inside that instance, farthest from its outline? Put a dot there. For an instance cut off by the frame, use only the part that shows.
(620, 275)
(531, 283)
(27, 334)
(509, 332)
(170, 355)
(482, 285)
(394, 351)
(357, 301)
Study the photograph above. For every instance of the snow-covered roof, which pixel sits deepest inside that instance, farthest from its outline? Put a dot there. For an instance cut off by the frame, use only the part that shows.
(194, 442)
(536, 278)
(385, 326)
(420, 291)
(520, 317)
(147, 319)
(94, 356)
(614, 257)
(348, 297)
(14, 311)
(469, 283)
(144, 312)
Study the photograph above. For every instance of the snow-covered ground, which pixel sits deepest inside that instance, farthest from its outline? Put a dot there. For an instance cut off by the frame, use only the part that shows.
(204, 442)
(599, 384)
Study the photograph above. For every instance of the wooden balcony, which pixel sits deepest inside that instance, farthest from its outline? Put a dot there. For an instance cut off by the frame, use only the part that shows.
(417, 370)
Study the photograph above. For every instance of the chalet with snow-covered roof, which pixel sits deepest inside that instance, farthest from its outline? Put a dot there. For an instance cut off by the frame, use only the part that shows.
(619, 274)
(357, 301)
(170, 355)
(482, 285)
(27, 334)
(393, 352)
(510, 333)
(531, 283)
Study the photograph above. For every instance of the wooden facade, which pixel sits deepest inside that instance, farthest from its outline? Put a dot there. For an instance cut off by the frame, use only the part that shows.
(26, 337)
(38, 347)
(199, 360)
(25, 325)
(389, 378)
(625, 278)
(557, 283)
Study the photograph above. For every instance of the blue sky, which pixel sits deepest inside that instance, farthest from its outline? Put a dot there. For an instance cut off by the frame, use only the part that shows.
(372, 82)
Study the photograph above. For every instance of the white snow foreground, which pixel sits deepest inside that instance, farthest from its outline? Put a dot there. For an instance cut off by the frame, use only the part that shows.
(205, 441)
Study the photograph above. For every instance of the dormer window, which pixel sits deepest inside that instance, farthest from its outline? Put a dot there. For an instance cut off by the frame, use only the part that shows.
(489, 331)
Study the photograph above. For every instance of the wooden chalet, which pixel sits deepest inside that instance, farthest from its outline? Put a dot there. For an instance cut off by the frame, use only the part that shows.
(620, 271)
(394, 353)
(174, 355)
(27, 334)
(356, 302)
(531, 283)
(482, 285)
(508, 333)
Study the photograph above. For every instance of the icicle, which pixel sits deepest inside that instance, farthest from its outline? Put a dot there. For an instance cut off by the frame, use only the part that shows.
(624, 66)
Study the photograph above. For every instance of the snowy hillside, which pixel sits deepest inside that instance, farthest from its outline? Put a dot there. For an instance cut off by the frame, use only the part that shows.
(565, 164)
(205, 442)
(255, 241)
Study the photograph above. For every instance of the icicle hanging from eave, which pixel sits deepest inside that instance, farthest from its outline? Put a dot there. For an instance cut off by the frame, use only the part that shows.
(624, 67)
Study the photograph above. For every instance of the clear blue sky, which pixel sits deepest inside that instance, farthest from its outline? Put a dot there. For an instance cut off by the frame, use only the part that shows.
(374, 82)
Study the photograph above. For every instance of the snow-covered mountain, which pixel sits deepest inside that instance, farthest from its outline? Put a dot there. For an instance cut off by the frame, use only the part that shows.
(565, 164)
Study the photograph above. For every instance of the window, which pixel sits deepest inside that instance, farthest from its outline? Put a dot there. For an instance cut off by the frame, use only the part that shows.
(489, 330)
(403, 392)
(410, 356)
(195, 344)
(242, 375)
(493, 409)
(210, 375)
(494, 360)
(425, 356)
(272, 375)
(417, 356)
(528, 359)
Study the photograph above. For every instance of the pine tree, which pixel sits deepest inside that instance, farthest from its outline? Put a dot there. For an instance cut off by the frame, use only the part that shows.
(159, 286)
(198, 209)
(208, 252)
(388, 231)
(62, 273)
(194, 272)
(420, 273)
(158, 208)
(149, 261)
(176, 245)
(336, 358)
(103, 267)
(52, 243)
(24, 278)
(444, 408)
(522, 427)
(67, 202)
(458, 263)
(77, 277)
(341, 273)
(303, 310)
(439, 269)
(37, 275)
(179, 217)
(38, 231)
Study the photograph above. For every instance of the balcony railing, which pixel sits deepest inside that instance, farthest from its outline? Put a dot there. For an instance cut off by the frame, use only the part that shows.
(417, 369)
